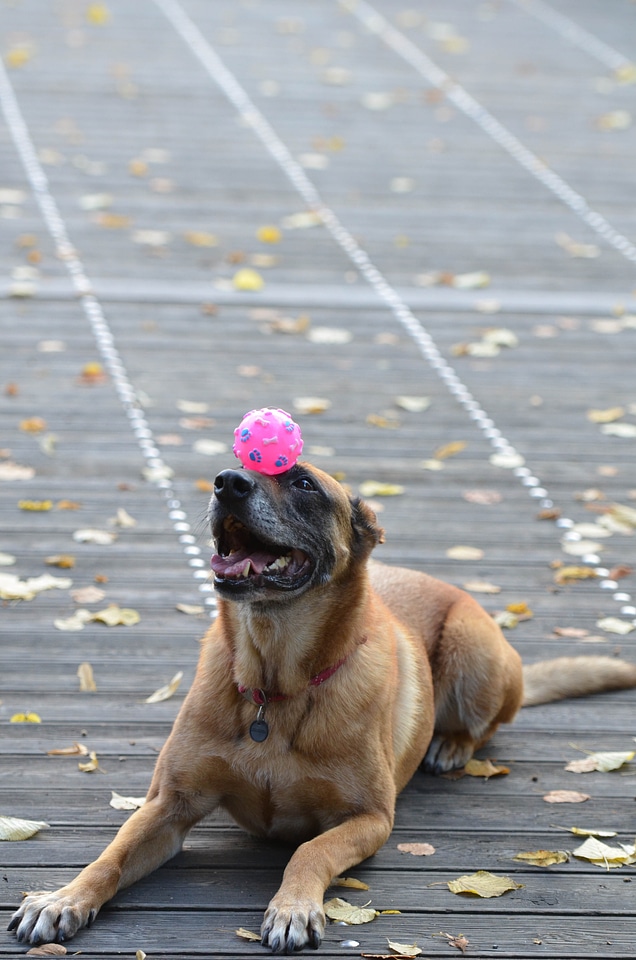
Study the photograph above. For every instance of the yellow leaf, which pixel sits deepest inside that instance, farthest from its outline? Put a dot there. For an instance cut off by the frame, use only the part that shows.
(542, 858)
(86, 679)
(269, 234)
(413, 404)
(603, 762)
(199, 238)
(404, 949)
(568, 574)
(338, 909)
(36, 506)
(484, 768)
(605, 856)
(520, 610)
(169, 690)
(247, 279)
(309, 405)
(481, 586)
(374, 488)
(25, 718)
(483, 884)
(586, 832)
(115, 616)
(248, 935)
(98, 14)
(33, 425)
(349, 882)
(91, 765)
(449, 450)
(615, 625)
(17, 57)
(385, 423)
(606, 416)
(12, 828)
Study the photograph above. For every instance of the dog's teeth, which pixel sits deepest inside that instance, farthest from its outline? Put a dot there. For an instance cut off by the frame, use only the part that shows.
(245, 572)
(279, 564)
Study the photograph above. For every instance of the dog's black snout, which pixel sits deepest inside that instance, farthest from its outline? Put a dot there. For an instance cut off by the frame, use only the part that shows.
(233, 485)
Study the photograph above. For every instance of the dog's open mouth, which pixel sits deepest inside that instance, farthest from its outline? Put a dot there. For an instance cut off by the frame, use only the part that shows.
(245, 559)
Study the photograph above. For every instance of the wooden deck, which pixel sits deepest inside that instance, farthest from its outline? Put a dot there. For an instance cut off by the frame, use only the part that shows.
(128, 102)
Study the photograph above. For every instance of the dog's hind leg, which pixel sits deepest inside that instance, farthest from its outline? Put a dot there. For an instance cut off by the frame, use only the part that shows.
(477, 681)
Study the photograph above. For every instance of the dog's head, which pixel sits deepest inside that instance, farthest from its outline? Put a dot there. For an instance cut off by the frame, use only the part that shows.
(277, 537)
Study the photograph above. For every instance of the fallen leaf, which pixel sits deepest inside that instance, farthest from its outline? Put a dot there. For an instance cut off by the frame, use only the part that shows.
(89, 594)
(520, 610)
(77, 622)
(199, 238)
(417, 849)
(329, 335)
(97, 14)
(14, 471)
(481, 586)
(91, 765)
(543, 858)
(602, 762)
(247, 279)
(505, 619)
(123, 519)
(35, 506)
(462, 552)
(614, 120)
(586, 832)
(33, 425)
(625, 430)
(86, 678)
(12, 588)
(248, 935)
(461, 942)
(413, 404)
(620, 572)
(615, 625)
(374, 488)
(47, 950)
(193, 407)
(482, 497)
(404, 949)
(151, 238)
(506, 461)
(102, 538)
(587, 251)
(126, 803)
(338, 909)
(449, 450)
(62, 560)
(269, 234)
(167, 691)
(13, 828)
(140, 955)
(385, 423)
(580, 548)
(307, 405)
(210, 448)
(606, 416)
(484, 768)
(349, 882)
(571, 574)
(29, 717)
(77, 750)
(576, 633)
(302, 220)
(483, 884)
(7, 560)
(603, 855)
(115, 616)
(565, 796)
(191, 609)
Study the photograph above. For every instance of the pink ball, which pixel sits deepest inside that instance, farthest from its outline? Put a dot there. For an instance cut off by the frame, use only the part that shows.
(268, 441)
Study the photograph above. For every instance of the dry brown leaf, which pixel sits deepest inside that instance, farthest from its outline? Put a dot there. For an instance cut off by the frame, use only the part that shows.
(349, 882)
(86, 678)
(167, 691)
(482, 497)
(417, 849)
(248, 935)
(385, 423)
(62, 560)
(47, 950)
(404, 949)
(484, 768)
(460, 941)
(89, 594)
(310, 405)
(565, 796)
(77, 750)
(483, 884)
(449, 450)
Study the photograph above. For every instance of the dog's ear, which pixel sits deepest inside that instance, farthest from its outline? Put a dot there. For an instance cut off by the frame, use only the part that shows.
(367, 534)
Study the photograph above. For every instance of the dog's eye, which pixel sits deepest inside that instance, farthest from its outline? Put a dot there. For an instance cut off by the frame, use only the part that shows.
(304, 483)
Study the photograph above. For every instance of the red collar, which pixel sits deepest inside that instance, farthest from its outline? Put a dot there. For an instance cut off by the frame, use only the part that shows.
(262, 698)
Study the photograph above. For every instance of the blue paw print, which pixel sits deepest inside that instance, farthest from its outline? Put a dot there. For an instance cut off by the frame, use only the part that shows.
(245, 435)
(282, 461)
(289, 426)
(256, 456)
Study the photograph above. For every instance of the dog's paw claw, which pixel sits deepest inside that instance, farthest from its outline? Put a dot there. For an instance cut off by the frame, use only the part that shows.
(288, 929)
(446, 753)
(49, 918)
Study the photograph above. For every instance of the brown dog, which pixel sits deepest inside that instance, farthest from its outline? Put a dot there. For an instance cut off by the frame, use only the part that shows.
(313, 702)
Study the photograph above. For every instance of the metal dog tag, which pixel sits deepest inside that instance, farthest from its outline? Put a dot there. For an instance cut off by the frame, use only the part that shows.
(259, 730)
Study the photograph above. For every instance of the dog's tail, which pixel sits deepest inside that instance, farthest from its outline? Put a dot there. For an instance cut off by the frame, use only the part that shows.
(550, 680)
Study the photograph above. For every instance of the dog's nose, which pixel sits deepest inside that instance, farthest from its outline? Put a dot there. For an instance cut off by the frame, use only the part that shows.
(233, 485)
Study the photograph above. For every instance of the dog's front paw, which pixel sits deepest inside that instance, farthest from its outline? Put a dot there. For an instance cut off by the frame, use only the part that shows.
(291, 924)
(51, 917)
(448, 752)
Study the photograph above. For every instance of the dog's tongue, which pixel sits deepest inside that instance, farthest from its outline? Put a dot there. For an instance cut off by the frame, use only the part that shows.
(234, 565)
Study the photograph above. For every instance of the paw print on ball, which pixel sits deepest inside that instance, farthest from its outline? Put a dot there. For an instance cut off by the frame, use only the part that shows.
(275, 441)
